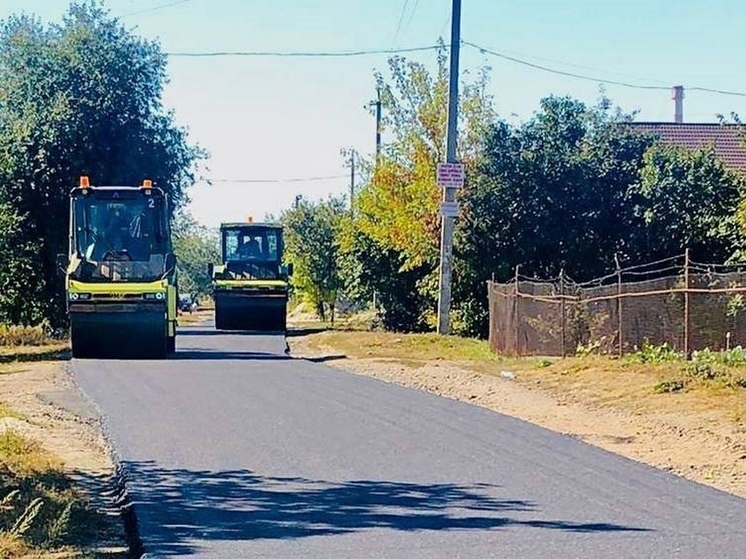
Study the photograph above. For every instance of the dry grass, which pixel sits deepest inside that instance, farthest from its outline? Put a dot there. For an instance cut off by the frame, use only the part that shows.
(41, 514)
(13, 335)
(7, 411)
(641, 388)
(9, 356)
(358, 343)
(201, 315)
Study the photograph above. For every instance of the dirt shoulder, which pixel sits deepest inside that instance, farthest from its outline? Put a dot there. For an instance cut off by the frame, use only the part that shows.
(39, 401)
(698, 433)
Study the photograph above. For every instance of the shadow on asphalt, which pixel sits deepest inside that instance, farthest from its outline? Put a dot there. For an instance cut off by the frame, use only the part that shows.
(300, 332)
(214, 355)
(217, 355)
(22, 356)
(238, 505)
(209, 331)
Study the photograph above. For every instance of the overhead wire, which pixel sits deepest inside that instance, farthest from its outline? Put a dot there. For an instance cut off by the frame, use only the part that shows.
(154, 8)
(276, 181)
(401, 19)
(523, 62)
(306, 54)
(411, 17)
(480, 48)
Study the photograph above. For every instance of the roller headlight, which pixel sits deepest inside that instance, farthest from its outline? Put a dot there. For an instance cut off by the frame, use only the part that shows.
(73, 296)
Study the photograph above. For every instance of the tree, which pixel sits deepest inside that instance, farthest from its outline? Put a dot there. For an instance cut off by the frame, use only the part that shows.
(686, 199)
(573, 188)
(549, 195)
(195, 246)
(398, 209)
(311, 243)
(20, 298)
(79, 98)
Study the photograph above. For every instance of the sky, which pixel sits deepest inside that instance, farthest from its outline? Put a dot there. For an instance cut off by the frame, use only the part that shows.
(274, 126)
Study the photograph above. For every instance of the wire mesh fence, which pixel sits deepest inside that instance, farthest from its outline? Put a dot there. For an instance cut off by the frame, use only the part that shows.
(686, 304)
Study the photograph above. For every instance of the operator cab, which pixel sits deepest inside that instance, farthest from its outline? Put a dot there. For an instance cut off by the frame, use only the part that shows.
(119, 234)
(252, 251)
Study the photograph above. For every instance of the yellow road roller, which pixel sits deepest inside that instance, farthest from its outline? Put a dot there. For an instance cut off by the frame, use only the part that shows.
(120, 272)
(251, 286)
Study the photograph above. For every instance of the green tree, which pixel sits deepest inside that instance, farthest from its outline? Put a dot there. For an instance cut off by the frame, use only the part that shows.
(82, 97)
(550, 195)
(311, 231)
(686, 199)
(195, 245)
(574, 187)
(398, 208)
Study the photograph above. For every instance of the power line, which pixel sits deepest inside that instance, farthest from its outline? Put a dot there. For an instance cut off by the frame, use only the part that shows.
(411, 16)
(299, 54)
(401, 19)
(524, 56)
(559, 72)
(276, 181)
(154, 8)
(592, 78)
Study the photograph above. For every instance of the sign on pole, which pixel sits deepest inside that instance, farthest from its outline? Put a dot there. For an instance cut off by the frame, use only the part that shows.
(450, 175)
(449, 209)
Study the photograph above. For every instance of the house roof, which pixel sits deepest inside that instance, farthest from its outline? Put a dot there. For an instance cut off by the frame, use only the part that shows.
(727, 139)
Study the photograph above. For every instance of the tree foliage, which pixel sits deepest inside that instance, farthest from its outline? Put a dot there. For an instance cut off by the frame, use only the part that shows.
(195, 246)
(685, 199)
(311, 231)
(397, 212)
(82, 97)
(572, 189)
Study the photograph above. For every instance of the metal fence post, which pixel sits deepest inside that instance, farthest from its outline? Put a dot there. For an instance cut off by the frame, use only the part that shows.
(686, 304)
(562, 309)
(515, 312)
(619, 305)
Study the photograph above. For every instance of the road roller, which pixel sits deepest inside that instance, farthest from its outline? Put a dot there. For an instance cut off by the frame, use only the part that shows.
(120, 272)
(251, 285)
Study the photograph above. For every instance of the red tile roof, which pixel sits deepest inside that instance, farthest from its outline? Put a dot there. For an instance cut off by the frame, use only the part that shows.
(729, 140)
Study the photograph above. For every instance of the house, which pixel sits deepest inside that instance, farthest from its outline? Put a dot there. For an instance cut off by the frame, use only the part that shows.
(728, 140)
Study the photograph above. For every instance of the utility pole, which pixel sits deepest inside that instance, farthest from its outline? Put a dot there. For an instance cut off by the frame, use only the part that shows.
(352, 178)
(378, 122)
(449, 194)
(377, 103)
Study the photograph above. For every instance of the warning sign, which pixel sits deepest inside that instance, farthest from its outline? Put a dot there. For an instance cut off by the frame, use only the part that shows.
(450, 175)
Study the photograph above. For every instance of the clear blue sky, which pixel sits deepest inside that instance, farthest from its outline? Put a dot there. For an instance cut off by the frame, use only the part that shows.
(280, 118)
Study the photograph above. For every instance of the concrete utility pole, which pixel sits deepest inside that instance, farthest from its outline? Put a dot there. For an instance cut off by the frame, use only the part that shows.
(449, 194)
(352, 177)
(377, 103)
(378, 122)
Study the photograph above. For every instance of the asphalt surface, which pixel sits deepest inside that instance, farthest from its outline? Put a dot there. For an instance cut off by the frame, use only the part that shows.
(232, 449)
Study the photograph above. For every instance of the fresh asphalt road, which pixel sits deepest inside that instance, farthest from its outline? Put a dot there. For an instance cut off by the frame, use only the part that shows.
(232, 449)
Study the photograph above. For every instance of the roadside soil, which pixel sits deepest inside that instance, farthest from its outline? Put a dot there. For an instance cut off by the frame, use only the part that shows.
(698, 433)
(40, 402)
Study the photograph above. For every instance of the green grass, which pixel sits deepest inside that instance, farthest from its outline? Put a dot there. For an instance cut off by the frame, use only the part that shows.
(387, 345)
